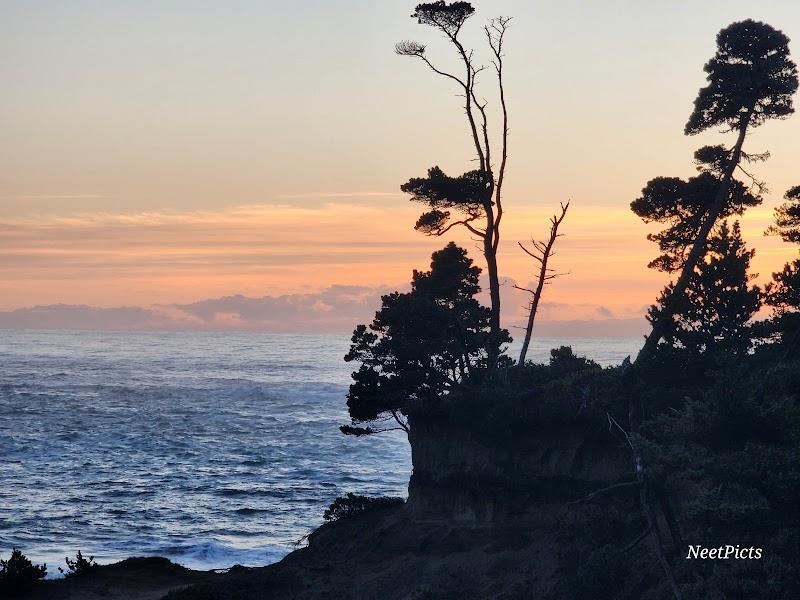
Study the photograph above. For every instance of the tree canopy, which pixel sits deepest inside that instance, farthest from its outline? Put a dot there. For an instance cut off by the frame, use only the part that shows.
(421, 343)
(750, 79)
(787, 217)
(683, 205)
(719, 302)
(784, 292)
(467, 194)
(447, 17)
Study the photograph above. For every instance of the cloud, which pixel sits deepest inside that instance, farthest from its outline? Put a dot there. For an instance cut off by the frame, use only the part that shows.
(605, 312)
(63, 197)
(313, 195)
(336, 309)
(146, 258)
(171, 258)
(70, 316)
(593, 328)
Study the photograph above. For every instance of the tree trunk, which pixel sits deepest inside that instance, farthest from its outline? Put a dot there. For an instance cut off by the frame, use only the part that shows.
(494, 294)
(529, 328)
(664, 322)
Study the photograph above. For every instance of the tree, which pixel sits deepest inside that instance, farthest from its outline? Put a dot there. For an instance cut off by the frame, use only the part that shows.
(684, 205)
(783, 293)
(787, 217)
(476, 196)
(420, 344)
(79, 566)
(541, 253)
(751, 79)
(18, 574)
(718, 302)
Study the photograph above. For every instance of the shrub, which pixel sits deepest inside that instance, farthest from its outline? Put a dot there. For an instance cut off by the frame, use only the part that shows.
(78, 567)
(353, 504)
(18, 574)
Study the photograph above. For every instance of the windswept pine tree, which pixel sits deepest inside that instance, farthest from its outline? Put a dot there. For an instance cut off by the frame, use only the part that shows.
(682, 206)
(472, 200)
(751, 79)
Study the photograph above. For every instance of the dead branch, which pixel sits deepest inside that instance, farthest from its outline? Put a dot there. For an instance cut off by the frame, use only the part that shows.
(403, 424)
(541, 253)
(495, 34)
(635, 542)
(605, 490)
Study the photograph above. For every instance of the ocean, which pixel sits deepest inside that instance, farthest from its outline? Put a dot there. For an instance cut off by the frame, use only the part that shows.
(208, 448)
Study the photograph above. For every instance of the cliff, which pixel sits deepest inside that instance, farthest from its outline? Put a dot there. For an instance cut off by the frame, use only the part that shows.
(472, 477)
(487, 516)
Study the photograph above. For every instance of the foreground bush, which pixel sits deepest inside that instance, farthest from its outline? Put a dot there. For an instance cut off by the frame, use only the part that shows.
(18, 574)
(78, 567)
(352, 504)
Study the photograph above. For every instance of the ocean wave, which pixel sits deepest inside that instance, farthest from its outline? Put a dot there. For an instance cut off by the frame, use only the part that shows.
(210, 554)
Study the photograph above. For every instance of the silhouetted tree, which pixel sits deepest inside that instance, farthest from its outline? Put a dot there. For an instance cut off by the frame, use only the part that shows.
(787, 217)
(783, 293)
(475, 196)
(421, 344)
(18, 574)
(564, 361)
(750, 79)
(719, 302)
(683, 206)
(541, 253)
(80, 566)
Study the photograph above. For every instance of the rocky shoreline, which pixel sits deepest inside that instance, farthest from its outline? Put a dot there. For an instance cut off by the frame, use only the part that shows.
(379, 554)
(505, 532)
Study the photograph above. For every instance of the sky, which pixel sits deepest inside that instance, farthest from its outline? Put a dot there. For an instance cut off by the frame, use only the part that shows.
(184, 157)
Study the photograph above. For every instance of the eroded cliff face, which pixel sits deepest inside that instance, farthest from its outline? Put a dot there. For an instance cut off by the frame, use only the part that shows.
(473, 477)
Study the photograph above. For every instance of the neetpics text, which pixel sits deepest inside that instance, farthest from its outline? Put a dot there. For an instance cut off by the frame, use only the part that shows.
(724, 552)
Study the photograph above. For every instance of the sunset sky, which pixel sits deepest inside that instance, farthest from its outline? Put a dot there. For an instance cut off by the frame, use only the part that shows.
(165, 153)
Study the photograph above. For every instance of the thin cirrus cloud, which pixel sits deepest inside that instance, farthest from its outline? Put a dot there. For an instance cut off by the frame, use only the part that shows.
(311, 195)
(61, 197)
(148, 258)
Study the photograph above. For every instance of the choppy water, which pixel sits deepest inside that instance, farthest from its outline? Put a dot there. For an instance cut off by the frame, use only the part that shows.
(208, 448)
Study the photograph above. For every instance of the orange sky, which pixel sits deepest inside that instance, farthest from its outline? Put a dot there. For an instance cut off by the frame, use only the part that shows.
(151, 155)
(140, 259)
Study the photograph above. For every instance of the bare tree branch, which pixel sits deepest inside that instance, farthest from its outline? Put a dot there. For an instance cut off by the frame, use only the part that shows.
(605, 490)
(401, 422)
(541, 253)
(495, 34)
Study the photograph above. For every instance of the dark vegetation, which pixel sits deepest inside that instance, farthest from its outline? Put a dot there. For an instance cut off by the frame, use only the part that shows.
(353, 504)
(709, 409)
(79, 566)
(18, 574)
